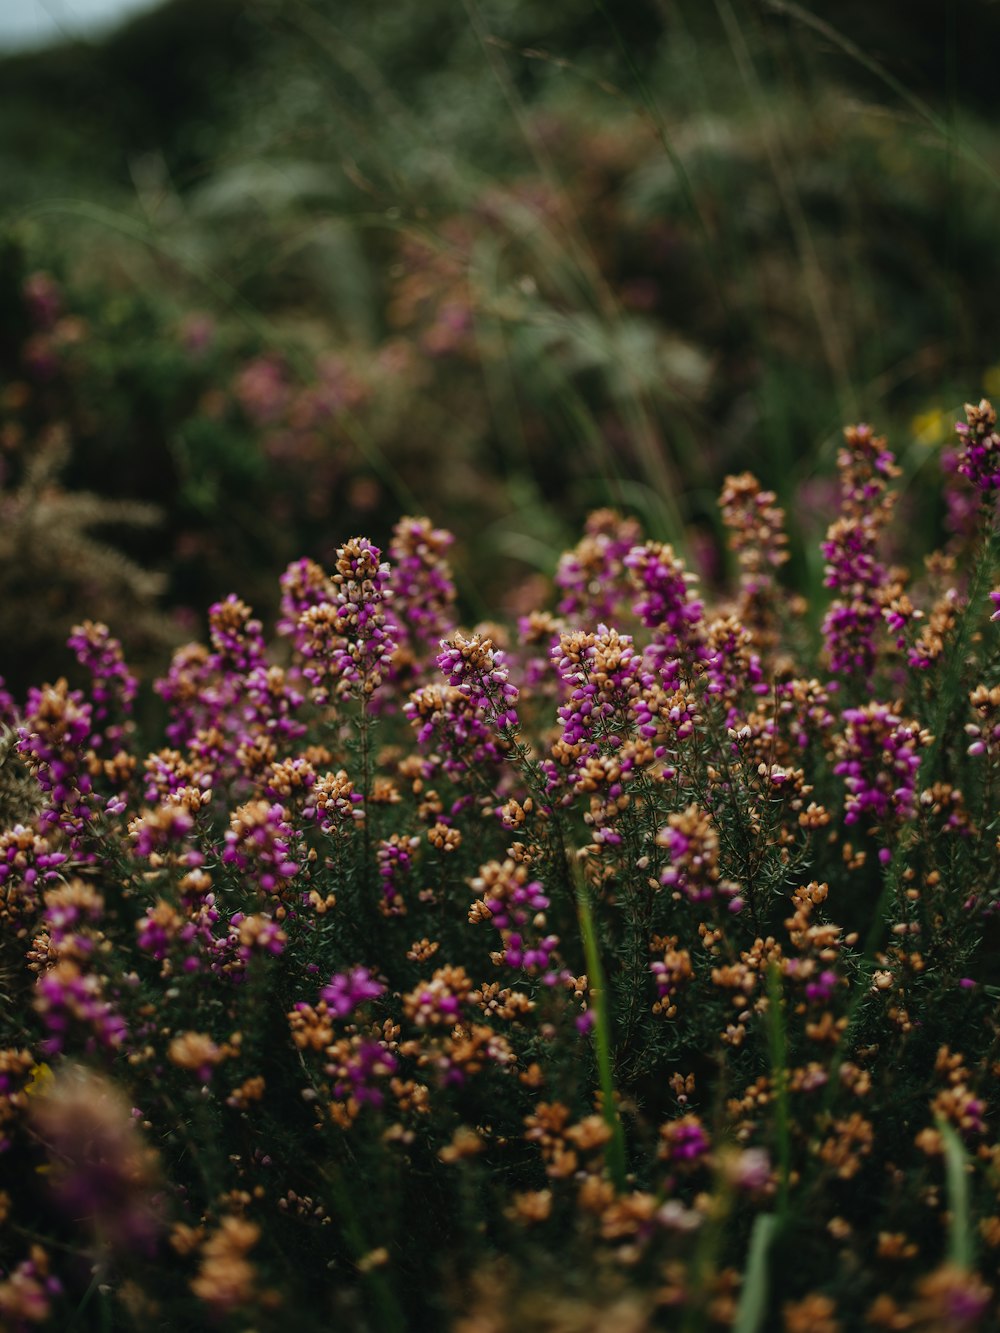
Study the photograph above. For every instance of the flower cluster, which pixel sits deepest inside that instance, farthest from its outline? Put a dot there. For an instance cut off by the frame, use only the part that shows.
(511, 903)
(26, 857)
(257, 843)
(114, 686)
(665, 604)
(68, 999)
(592, 578)
(346, 990)
(852, 569)
(878, 756)
(344, 636)
(423, 589)
(477, 670)
(979, 459)
(360, 581)
(394, 857)
(691, 843)
(449, 720)
(54, 739)
(756, 525)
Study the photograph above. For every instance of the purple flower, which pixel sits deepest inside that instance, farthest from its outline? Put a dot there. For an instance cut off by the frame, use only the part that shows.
(258, 844)
(423, 591)
(685, 1142)
(187, 690)
(665, 603)
(821, 989)
(592, 577)
(271, 702)
(879, 758)
(101, 1171)
(756, 525)
(447, 719)
(25, 859)
(979, 459)
(476, 668)
(600, 673)
(114, 686)
(236, 637)
(347, 640)
(30, 1291)
(853, 570)
(304, 585)
(394, 857)
(337, 806)
(691, 840)
(357, 1070)
(346, 990)
(57, 728)
(167, 827)
(732, 668)
(515, 906)
(65, 996)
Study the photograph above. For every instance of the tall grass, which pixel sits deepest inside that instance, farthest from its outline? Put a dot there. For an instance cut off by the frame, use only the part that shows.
(675, 256)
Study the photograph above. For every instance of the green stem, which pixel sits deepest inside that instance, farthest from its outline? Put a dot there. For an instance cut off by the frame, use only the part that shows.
(602, 1034)
(960, 1233)
(752, 1308)
(390, 1316)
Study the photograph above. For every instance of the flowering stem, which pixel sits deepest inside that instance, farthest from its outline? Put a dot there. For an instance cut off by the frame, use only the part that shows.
(979, 583)
(602, 1034)
(364, 745)
(892, 881)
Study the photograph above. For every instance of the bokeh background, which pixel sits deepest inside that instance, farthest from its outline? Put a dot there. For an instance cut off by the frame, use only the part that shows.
(273, 273)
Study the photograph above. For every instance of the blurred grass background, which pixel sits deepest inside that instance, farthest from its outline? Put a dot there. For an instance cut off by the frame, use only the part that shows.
(274, 272)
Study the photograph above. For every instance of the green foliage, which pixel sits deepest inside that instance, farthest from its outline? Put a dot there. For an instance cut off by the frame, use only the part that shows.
(657, 984)
(574, 255)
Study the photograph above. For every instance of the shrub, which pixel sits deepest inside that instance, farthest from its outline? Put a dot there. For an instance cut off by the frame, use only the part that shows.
(631, 966)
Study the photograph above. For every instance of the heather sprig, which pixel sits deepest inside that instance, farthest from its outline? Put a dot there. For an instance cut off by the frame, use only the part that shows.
(665, 603)
(477, 669)
(53, 739)
(423, 588)
(592, 578)
(755, 524)
(853, 570)
(878, 756)
(114, 686)
(979, 459)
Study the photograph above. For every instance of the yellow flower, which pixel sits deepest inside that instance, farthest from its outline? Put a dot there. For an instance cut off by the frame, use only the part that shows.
(41, 1078)
(930, 428)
